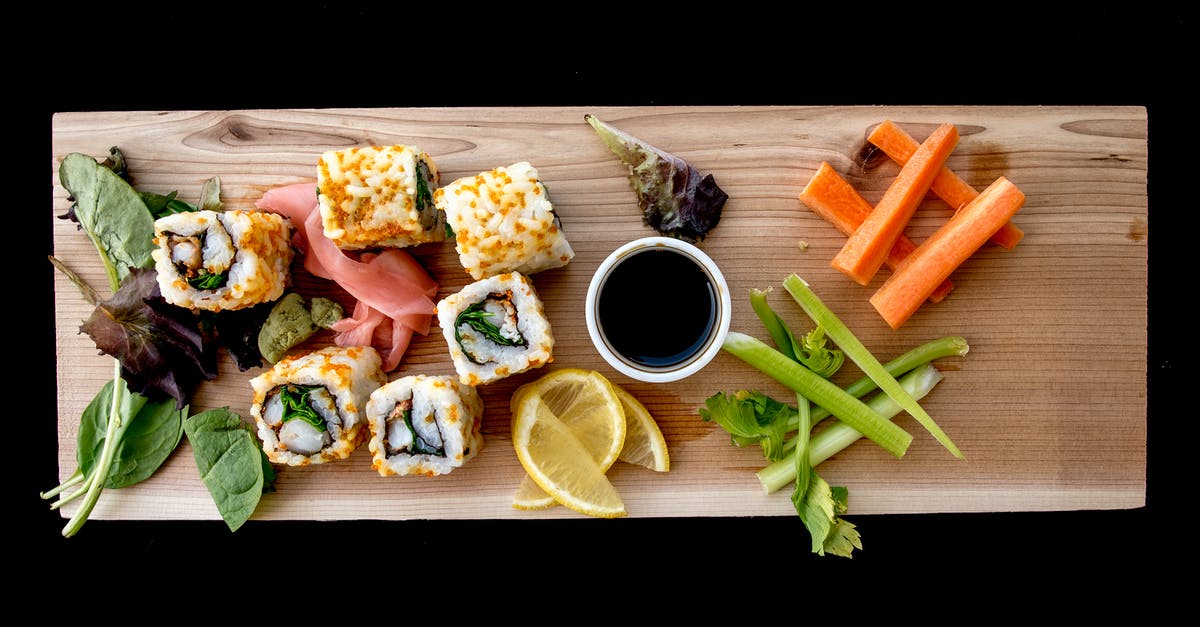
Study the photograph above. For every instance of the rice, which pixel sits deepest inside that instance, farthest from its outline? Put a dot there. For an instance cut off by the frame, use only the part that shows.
(424, 425)
(341, 382)
(503, 221)
(509, 304)
(251, 250)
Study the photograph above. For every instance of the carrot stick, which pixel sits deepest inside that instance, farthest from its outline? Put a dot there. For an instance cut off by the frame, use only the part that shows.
(869, 244)
(948, 186)
(835, 199)
(945, 250)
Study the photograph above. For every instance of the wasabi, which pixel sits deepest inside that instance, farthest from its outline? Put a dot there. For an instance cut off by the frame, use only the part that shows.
(325, 312)
(288, 325)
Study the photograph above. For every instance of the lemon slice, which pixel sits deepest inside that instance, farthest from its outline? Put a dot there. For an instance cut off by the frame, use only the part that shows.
(644, 442)
(559, 462)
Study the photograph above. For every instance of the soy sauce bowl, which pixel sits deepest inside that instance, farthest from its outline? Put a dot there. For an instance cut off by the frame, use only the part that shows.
(658, 309)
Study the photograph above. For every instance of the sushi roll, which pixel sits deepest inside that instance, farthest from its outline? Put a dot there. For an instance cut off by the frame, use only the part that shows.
(494, 328)
(222, 260)
(503, 221)
(379, 197)
(422, 425)
(309, 408)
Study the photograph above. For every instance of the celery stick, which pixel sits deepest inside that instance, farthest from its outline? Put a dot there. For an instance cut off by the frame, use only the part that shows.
(837, 436)
(819, 390)
(950, 346)
(854, 349)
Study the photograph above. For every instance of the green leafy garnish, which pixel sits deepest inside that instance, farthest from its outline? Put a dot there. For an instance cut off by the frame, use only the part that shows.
(160, 205)
(112, 214)
(820, 508)
(148, 433)
(296, 405)
(750, 417)
(123, 438)
(209, 280)
(232, 465)
(477, 318)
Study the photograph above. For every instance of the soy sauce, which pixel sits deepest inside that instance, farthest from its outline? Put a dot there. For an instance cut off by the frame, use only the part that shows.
(657, 308)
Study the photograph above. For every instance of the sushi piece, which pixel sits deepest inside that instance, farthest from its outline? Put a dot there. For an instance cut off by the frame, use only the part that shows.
(503, 221)
(496, 327)
(379, 197)
(309, 408)
(423, 425)
(222, 260)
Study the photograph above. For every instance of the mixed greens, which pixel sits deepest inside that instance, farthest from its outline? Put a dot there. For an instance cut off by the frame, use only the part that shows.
(161, 352)
(804, 366)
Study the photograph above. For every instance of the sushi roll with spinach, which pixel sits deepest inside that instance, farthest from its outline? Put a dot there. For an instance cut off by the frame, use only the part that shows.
(503, 221)
(215, 261)
(424, 425)
(496, 327)
(379, 197)
(309, 408)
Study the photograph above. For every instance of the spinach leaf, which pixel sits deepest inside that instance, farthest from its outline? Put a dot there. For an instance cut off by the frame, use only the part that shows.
(209, 280)
(149, 432)
(296, 405)
(231, 464)
(112, 213)
(159, 205)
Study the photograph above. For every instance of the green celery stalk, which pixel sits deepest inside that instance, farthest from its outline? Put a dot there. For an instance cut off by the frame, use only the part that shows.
(839, 435)
(950, 346)
(854, 349)
(819, 390)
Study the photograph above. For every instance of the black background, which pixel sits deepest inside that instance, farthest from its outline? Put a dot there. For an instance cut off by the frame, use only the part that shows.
(223, 56)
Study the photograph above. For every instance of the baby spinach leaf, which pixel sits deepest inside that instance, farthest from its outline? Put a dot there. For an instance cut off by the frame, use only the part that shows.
(149, 432)
(111, 212)
(231, 463)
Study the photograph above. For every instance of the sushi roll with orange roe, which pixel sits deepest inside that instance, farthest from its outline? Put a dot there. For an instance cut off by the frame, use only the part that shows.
(214, 260)
(424, 425)
(309, 408)
(503, 221)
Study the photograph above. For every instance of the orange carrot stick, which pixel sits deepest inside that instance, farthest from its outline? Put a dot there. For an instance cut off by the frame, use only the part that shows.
(948, 186)
(835, 199)
(870, 243)
(946, 250)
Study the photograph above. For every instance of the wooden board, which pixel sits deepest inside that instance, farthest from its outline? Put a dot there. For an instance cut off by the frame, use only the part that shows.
(1049, 406)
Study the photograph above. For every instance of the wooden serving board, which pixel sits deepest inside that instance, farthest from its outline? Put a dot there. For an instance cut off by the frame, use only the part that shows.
(1049, 406)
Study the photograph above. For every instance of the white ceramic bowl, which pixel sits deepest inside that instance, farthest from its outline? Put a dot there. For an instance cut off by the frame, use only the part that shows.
(688, 366)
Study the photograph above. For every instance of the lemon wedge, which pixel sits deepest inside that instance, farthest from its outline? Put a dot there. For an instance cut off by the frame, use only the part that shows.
(557, 459)
(644, 442)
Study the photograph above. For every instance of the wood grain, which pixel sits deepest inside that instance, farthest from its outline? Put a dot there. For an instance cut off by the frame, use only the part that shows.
(1049, 406)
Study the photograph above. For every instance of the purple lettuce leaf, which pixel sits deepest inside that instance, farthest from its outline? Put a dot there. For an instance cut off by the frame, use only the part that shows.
(676, 199)
(162, 348)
